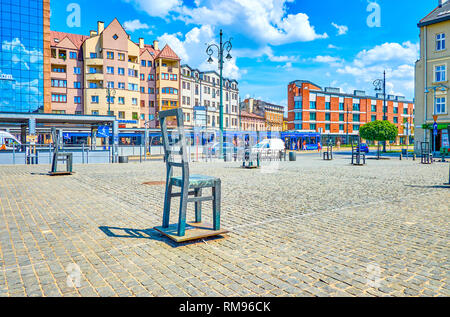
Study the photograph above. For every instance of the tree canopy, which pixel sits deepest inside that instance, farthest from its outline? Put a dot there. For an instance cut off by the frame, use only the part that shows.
(378, 131)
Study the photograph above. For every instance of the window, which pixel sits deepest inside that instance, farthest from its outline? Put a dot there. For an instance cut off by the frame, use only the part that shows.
(110, 55)
(440, 105)
(439, 72)
(59, 98)
(395, 109)
(327, 127)
(395, 119)
(341, 106)
(94, 99)
(374, 118)
(440, 42)
(143, 90)
(312, 116)
(93, 55)
(133, 87)
(341, 127)
(110, 70)
(312, 126)
(134, 116)
(151, 91)
(143, 77)
(58, 69)
(59, 83)
(93, 85)
(121, 85)
(142, 116)
(121, 71)
(92, 70)
(77, 99)
(151, 77)
(356, 107)
(94, 112)
(327, 106)
(77, 70)
(355, 127)
(341, 117)
(121, 56)
(77, 85)
(121, 114)
(110, 99)
(356, 118)
(327, 116)
(374, 108)
(132, 73)
(111, 84)
(72, 55)
(134, 101)
(121, 100)
(312, 104)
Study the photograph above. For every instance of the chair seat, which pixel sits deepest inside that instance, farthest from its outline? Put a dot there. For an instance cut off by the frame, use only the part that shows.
(196, 181)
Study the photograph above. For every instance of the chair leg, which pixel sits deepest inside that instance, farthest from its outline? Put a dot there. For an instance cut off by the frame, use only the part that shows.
(167, 200)
(198, 206)
(216, 191)
(183, 208)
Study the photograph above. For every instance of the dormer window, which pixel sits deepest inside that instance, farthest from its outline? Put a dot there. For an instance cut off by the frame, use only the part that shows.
(115, 36)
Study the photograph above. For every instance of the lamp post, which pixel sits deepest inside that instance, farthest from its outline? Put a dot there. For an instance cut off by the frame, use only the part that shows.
(380, 85)
(442, 88)
(221, 49)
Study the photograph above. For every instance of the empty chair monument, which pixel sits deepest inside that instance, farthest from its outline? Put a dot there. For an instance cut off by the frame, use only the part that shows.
(60, 157)
(328, 154)
(425, 153)
(358, 157)
(175, 153)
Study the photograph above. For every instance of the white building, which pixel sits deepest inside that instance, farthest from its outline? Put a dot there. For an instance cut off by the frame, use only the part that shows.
(200, 99)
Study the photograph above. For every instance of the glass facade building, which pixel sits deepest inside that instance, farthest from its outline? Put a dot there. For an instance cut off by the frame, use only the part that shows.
(21, 56)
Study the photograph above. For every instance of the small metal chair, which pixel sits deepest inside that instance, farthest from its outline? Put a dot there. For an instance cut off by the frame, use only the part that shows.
(425, 153)
(358, 158)
(60, 157)
(191, 185)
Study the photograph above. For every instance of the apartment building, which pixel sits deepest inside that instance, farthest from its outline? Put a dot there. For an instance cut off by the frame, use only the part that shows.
(252, 122)
(107, 73)
(273, 114)
(431, 82)
(337, 114)
(200, 99)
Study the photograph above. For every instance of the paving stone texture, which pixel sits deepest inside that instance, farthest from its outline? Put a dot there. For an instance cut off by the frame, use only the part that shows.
(304, 228)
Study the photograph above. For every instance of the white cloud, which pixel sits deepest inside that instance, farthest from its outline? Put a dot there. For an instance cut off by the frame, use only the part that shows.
(265, 21)
(155, 8)
(331, 60)
(134, 25)
(342, 29)
(265, 51)
(398, 61)
(332, 46)
(192, 50)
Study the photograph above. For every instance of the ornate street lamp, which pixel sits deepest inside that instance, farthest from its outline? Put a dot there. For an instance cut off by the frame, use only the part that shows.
(221, 49)
(380, 86)
(110, 92)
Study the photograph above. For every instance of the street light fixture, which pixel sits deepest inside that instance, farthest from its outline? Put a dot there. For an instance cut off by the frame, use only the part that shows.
(110, 92)
(221, 48)
(380, 86)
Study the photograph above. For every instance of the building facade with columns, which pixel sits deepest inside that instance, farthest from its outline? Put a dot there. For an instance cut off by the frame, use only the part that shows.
(273, 114)
(200, 99)
(431, 80)
(106, 72)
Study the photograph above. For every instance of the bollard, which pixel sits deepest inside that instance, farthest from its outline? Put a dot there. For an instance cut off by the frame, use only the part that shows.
(414, 156)
(401, 156)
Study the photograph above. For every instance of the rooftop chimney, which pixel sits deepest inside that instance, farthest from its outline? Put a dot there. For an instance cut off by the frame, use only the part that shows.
(100, 27)
(156, 45)
(141, 43)
(92, 33)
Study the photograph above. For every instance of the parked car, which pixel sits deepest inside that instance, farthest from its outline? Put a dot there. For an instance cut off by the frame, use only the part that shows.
(273, 145)
(363, 147)
(8, 141)
(214, 148)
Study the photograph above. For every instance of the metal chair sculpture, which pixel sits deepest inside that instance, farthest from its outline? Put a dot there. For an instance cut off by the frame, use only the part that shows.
(60, 157)
(328, 155)
(249, 157)
(358, 158)
(425, 153)
(191, 185)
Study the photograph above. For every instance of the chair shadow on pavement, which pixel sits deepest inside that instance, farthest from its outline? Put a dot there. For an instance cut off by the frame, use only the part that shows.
(430, 186)
(151, 234)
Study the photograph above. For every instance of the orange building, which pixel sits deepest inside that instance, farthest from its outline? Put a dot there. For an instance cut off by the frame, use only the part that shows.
(337, 114)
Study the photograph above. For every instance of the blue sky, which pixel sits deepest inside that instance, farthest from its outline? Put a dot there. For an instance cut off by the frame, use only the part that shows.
(328, 42)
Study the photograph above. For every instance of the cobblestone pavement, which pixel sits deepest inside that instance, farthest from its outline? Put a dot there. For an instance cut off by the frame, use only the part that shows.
(310, 228)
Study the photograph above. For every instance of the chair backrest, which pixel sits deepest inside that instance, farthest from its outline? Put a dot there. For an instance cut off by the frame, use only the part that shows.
(55, 139)
(174, 142)
(424, 147)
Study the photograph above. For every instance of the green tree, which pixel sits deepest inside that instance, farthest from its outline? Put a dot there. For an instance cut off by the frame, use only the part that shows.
(378, 131)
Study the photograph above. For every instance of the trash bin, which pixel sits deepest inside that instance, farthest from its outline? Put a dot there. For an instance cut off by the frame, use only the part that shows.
(123, 159)
(292, 156)
(404, 151)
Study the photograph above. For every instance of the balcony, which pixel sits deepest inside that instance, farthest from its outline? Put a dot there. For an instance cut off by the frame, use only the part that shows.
(94, 62)
(94, 76)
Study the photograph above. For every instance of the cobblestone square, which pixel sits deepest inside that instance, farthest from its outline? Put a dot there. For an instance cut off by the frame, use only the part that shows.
(303, 228)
